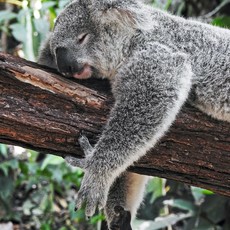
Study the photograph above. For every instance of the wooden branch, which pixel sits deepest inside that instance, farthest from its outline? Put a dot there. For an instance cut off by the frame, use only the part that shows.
(41, 110)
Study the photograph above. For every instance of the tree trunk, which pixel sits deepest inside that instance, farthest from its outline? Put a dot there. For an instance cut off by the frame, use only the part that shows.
(40, 110)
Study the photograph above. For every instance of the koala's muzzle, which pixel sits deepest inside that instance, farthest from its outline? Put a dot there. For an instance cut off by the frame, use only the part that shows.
(67, 64)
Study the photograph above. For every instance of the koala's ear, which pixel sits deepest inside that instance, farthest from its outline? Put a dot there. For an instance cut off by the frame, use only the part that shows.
(111, 12)
(120, 16)
(45, 55)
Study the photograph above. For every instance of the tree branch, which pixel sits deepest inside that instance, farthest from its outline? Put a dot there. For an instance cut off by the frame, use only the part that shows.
(41, 110)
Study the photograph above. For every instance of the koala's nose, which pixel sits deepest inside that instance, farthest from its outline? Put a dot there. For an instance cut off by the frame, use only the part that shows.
(66, 62)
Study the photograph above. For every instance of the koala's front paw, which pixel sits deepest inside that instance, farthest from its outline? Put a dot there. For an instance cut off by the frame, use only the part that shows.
(87, 148)
(94, 188)
(93, 193)
(76, 162)
(85, 145)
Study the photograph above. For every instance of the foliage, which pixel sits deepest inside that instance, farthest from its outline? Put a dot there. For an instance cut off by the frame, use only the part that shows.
(38, 192)
(222, 21)
(32, 22)
(183, 207)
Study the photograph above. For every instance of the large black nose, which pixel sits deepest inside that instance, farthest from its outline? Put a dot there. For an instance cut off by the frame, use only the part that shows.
(66, 62)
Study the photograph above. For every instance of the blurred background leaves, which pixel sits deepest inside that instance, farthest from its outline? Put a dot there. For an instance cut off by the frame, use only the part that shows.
(37, 191)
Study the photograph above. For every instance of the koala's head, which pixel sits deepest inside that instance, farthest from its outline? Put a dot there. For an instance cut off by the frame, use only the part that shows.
(72, 40)
(86, 39)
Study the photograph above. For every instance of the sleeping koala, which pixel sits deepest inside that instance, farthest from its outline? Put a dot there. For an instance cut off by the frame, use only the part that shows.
(155, 63)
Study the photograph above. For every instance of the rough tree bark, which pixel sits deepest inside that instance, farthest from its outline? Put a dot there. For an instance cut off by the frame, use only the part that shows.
(41, 110)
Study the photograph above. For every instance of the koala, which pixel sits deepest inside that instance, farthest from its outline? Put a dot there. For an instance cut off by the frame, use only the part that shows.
(155, 63)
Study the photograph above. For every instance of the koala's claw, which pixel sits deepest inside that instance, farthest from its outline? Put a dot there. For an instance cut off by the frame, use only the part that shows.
(85, 145)
(92, 202)
(122, 219)
(92, 194)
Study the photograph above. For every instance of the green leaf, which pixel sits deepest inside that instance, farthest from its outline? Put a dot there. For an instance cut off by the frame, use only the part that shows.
(32, 167)
(63, 228)
(13, 164)
(3, 150)
(52, 160)
(19, 32)
(199, 193)
(27, 207)
(6, 15)
(7, 187)
(97, 218)
(63, 3)
(4, 29)
(47, 5)
(156, 187)
(57, 175)
(42, 26)
(207, 192)
(21, 15)
(45, 226)
(160, 222)
(168, 4)
(32, 155)
(181, 204)
(223, 21)
(24, 167)
(76, 215)
(5, 169)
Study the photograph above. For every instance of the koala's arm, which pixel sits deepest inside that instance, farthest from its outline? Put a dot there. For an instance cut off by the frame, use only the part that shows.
(45, 55)
(149, 91)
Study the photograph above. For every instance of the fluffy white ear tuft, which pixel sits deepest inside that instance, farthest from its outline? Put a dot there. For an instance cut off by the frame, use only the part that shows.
(116, 16)
(120, 13)
(121, 16)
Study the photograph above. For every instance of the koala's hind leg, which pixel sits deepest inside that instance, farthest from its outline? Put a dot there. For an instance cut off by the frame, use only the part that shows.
(124, 198)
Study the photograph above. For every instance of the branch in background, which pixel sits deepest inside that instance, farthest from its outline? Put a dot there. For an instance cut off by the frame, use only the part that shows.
(217, 9)
(4, 35)
(41, 110)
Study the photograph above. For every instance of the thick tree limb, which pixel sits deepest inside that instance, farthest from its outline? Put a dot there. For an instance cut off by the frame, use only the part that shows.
(41, 110)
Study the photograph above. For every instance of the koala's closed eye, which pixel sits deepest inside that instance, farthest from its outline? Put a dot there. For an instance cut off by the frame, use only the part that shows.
(82, 38)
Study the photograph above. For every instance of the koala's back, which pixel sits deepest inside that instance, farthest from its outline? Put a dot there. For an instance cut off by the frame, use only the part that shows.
(208, 50)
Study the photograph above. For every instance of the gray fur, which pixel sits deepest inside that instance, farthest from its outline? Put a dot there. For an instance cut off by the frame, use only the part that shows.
(155, 62)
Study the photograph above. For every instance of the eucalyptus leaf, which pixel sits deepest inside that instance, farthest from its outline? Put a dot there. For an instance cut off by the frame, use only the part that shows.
(6, 15)
(13, 164)
(52, 160)
(156, 187)
(181, 204)
(3, 150)
(223, 21)
(161, 222)
(42, 27)
(19, 32)
(10, 164)
(57, 175)
(4, 168)
(63, 3)
(48, 4)
(27, 207)
(199, 193)
(45, 226)
(6, 187)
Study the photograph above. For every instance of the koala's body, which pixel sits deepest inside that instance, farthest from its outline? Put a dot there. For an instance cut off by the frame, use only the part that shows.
(155, 62)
